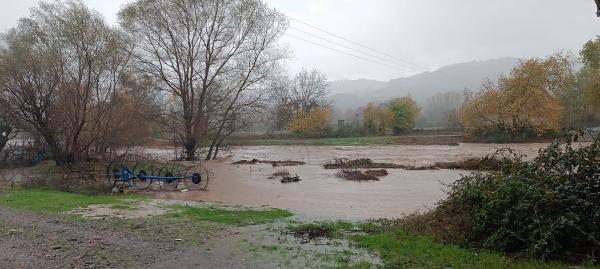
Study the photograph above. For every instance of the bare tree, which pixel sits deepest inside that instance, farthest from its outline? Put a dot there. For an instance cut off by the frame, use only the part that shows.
(7, 127)
(59, 72)
(199, 47)
(305, 91)
(309, 89)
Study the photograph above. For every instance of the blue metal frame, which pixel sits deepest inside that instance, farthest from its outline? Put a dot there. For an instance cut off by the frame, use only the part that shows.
(126, 175)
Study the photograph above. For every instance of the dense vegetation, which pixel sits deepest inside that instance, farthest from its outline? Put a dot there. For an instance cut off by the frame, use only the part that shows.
(539, 97)
(546, 208)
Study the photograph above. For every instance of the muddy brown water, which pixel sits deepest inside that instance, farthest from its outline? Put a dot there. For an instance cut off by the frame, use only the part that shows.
(321, 194)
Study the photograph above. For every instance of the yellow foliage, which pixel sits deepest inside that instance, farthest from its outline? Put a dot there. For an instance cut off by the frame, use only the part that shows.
(525, 99)
(377, 119)
(314, 120)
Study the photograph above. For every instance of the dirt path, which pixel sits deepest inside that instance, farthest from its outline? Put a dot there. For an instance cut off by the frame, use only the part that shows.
(38, 241)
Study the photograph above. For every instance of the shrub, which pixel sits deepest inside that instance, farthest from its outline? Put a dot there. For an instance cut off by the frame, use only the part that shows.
(548, 207)
(349, 130)
(503, 134)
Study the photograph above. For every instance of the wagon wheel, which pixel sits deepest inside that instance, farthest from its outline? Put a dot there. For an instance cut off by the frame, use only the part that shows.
(139, 182)
(204, 177)
(169, 184)
(113, 167)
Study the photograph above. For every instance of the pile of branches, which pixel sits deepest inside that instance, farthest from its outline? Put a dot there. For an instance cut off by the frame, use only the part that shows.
(487, 163)
(363, 163)
(358, 175)
(274, 163)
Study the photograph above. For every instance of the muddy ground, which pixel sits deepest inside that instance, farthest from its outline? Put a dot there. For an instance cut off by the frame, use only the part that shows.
(102, 239)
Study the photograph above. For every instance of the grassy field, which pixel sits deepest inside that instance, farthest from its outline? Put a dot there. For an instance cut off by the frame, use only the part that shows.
(54, 202)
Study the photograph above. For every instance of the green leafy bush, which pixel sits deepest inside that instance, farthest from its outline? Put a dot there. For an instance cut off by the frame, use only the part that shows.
(548, 207)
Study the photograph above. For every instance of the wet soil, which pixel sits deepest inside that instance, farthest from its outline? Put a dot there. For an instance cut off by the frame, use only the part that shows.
(40, 241)
(60, 241)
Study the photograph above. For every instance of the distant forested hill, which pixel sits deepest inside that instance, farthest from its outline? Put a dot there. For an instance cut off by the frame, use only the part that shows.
(457, 77)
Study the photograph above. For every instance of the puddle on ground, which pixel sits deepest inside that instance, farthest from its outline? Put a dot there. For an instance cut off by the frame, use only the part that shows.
(321, 194)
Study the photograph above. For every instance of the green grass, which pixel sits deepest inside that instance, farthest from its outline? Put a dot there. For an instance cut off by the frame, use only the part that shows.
(347, 141)
(54, 202)
(399, 249)
(230, 216)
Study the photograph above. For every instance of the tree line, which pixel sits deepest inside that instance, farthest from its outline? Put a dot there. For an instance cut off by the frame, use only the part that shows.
(190, 70)
(538, 97)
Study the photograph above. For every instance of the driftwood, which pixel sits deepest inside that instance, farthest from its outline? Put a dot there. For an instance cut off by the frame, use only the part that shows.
(274, 163)
(289, 179)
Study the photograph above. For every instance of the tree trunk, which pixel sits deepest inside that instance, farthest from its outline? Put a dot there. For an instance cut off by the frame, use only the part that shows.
(210, 152)
(190, 149)
(5, 131)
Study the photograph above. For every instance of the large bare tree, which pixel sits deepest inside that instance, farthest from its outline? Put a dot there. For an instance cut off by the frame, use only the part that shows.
(305, 91)
(201, 50)
(60, 70)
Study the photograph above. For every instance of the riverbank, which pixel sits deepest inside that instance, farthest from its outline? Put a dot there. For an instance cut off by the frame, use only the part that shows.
(37, 234)
(348, 141)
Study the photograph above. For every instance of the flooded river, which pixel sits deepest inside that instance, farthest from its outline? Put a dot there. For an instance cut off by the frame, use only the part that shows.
(321, 194)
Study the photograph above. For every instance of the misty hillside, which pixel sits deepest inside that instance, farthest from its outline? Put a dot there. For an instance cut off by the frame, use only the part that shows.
(457, 77)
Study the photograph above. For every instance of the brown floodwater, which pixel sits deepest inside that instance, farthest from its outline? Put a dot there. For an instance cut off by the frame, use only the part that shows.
(321, 194)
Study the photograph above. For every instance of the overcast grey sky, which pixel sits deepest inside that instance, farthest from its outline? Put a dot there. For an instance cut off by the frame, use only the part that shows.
(430, 33)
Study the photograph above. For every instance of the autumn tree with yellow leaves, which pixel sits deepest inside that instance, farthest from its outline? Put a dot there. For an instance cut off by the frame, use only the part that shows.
(377, 119)
(524, 103)
(589, 75)
(310, 122)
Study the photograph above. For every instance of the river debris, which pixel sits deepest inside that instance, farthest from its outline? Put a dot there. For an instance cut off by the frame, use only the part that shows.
(377, 172)
(364, 163)
(355, 175)
(308, 232)
(274, 163)
(487, 163)
(290, 179)
(280, 173)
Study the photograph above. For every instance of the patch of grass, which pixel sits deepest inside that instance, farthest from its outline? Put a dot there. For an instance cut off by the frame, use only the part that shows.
(230, 216)
(54, 202)
(399, 249)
